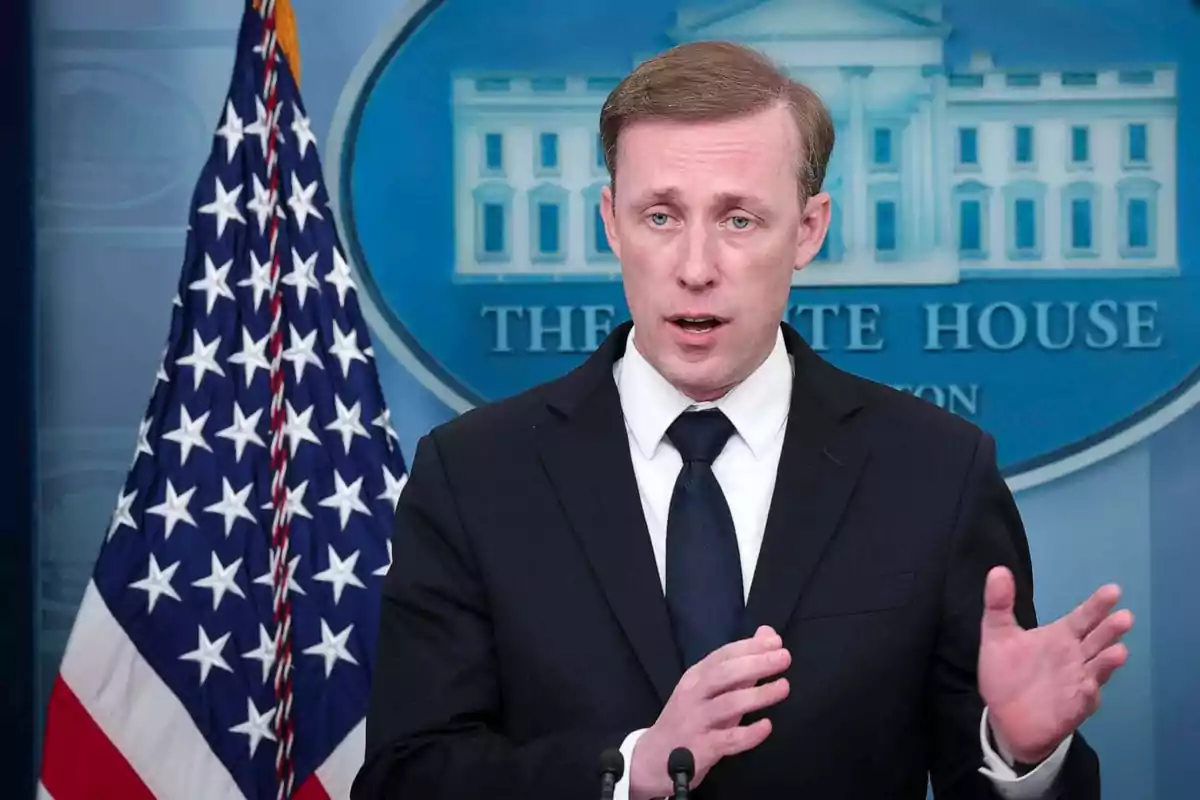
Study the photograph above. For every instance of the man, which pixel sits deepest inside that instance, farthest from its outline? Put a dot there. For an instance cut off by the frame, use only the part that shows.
(706, 536)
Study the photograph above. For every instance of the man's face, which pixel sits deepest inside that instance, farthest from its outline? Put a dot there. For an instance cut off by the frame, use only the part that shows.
(708, 225)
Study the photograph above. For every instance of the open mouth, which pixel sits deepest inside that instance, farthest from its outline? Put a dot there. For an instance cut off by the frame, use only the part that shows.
(697, 324)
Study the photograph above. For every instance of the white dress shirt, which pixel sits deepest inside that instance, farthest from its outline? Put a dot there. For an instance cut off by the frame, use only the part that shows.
(746, 470)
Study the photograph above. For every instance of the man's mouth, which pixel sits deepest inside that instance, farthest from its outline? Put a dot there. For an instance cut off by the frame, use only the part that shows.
(698, 323)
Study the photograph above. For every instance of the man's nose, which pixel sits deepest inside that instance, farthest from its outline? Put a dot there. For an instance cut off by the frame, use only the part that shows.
(698, 267)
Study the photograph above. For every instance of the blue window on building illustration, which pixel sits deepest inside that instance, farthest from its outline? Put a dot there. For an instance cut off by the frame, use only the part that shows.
(493, 218)
(1025, 211)
(1137, 199)
(885, 226)
(548, 222)
(548, 228)
(493, 228)
(1138, 152)
(1023, 144)
(970, 226)
(882, 150)
(1079, 144)
(1139, 224)
(968, 146)
(600, 244)
(971, 203)
(493, 152)
(548, 152)
(1081, 224)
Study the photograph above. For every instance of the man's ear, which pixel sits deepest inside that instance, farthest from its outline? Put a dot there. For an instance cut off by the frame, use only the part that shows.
(814, 225)
(608, 213)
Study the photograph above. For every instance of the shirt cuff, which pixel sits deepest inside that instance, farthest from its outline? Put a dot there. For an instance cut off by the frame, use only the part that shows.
(621, 790)
(1033, 785)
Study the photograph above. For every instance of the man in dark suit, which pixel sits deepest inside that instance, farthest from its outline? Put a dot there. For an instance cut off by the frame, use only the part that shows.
(707, 536)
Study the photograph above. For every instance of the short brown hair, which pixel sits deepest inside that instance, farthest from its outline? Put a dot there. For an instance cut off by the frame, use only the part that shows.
(706, 81)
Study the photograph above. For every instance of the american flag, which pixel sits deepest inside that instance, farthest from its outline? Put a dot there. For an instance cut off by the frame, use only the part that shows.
(253, 529)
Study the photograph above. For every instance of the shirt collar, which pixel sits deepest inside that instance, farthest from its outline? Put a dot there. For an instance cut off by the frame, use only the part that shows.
(757, 407)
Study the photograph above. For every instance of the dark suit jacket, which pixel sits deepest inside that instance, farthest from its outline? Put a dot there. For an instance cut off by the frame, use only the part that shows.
(524, 628)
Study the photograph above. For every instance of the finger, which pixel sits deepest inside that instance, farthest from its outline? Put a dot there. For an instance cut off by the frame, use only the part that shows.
(742, 672)
(1107, 662)
(999, 595)
(1107, 633)
(729, 708)
(1091, 612)
(763, 640)
(731, 741)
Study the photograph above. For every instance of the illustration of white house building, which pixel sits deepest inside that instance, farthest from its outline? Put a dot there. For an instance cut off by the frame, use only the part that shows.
(939, 174)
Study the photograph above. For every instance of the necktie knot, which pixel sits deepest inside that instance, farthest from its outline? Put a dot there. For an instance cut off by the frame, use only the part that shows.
(700, 435)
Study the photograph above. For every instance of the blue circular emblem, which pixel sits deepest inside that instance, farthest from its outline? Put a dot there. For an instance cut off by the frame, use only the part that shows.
(1007, 237)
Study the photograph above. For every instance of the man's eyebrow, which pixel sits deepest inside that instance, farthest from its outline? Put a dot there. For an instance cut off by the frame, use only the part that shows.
(735, 199)
(667, 195)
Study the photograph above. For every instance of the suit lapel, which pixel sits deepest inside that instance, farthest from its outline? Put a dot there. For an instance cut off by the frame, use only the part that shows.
(584, 448)
(819, 466)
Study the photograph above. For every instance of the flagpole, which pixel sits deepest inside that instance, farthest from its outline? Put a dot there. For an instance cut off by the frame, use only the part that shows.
(284, 729)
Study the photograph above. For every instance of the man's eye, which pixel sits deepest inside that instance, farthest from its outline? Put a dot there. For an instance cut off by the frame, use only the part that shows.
(659, 218)
(741, 223)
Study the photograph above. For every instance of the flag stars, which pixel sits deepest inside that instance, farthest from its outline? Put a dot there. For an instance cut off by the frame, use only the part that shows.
(340, 574)
(203, 358)
(232, 506)
(298, 428)
(222, 579)
(174, 509)
(332, 647)
(259, 280)
(345, 348)
(208, 655)
(189, 434)
(384, 423)
(261, 127)
(265, 652)
(301, 352)
(302, 277)
(224, 207)
(339, 276)
(301, 126)
(348, 423)
(232, 131)
(243, 431)
(395, 486)
(213, 284)
(143, 439)
(262, 204)
(346, 499)
(253, 356)
(268, 579)
(383, 571)
(301, 201)
(157, 583)
(257, 726)
(121, 515)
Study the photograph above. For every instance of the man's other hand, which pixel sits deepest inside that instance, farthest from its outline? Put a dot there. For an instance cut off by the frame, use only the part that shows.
(705, 711)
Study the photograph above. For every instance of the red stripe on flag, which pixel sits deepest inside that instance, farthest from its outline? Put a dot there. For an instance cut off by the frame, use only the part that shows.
(311, 789)
(78, 759)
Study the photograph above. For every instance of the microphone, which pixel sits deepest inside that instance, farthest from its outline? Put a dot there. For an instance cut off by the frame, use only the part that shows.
(612, 767)
(681, 766)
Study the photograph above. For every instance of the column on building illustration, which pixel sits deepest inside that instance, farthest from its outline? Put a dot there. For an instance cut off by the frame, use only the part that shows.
(856, 212)
(942, 154)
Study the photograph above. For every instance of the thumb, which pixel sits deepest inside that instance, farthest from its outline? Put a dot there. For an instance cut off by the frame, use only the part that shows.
(999, 594)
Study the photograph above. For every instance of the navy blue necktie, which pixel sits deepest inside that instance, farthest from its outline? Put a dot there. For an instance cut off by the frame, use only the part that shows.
(704, 571)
